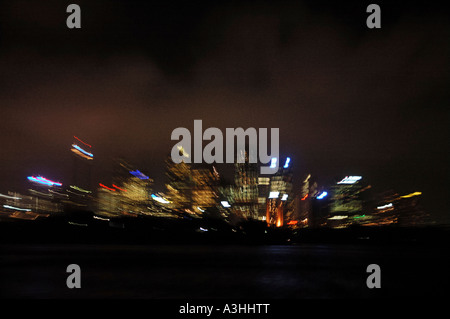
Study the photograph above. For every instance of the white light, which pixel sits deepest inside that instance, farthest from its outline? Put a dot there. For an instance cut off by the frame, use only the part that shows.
(101, 218)
(286, 164)
(385, 206)
(338, 217)
(273, 162)
(160, 199)
(274, 194)
(16, 208)
(9, 197)
(202, 210)
(285, 196)
(225, 204)
(350, 180)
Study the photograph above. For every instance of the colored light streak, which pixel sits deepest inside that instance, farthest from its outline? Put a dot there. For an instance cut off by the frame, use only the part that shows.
(273, 162)
(43, 181)
(385, 206)
(106, 187)
(82, 150)
(17, 208)
(284, 197)
(292, 222)
(81, 154)
(159, 199)
(139, 175)
(82, 141)
(305, 197)
(350, 180)
(274, 194)
(286, 164)
(115, 186)
(225, 204)
(411, 195)
(323, 195)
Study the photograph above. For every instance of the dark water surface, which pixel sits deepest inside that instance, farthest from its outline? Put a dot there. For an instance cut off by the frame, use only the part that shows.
(222, 271)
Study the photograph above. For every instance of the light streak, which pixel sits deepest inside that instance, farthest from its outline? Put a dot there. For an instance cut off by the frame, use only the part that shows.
(82, 141)
(9, 197)
(43, 181)
(273, 162)
(124, 190)
(82, 150)
(286, 164)
(106, 187)
(338, 217)
(160, 199)
(350, 180)
(411, 195)
(321, 196)
(17, 208)
(385, 206)
(139, 175)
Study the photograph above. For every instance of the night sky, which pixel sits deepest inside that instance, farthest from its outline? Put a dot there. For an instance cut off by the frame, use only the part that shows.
(348, 100)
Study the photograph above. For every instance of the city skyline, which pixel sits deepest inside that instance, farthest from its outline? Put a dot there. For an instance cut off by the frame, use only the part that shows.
(347, 100)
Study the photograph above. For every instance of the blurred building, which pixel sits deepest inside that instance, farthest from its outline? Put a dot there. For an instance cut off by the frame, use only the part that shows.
(205, 188)
(304, 203)
(347, 203)
(280, 202)
(180, 184)
(129, 193)
(393, 209)
(246, 188)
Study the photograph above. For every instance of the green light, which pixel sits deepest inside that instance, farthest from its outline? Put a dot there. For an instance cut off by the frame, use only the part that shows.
(360, 216)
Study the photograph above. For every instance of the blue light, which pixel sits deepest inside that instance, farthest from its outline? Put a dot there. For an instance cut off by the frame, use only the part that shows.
(324, 194)
(286, 164)
(138, 174)
(273, 162)
(82, 150)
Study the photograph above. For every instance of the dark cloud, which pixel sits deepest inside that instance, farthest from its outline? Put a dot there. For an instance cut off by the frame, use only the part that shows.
(346, 100)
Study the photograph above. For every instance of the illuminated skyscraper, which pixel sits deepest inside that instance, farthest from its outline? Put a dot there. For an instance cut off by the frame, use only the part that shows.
(133, 188)
(346, 202)
(280, 200)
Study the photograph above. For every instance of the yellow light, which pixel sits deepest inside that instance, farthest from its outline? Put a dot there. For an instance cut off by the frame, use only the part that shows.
(411, 195)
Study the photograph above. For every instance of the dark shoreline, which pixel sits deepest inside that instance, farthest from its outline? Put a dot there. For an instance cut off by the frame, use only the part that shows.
(152, 230)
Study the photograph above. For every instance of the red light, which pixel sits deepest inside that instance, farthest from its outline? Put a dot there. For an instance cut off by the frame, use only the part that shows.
(305, 197)
(293, 222)
(82, 141)
(111, 189)
(124, 190)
